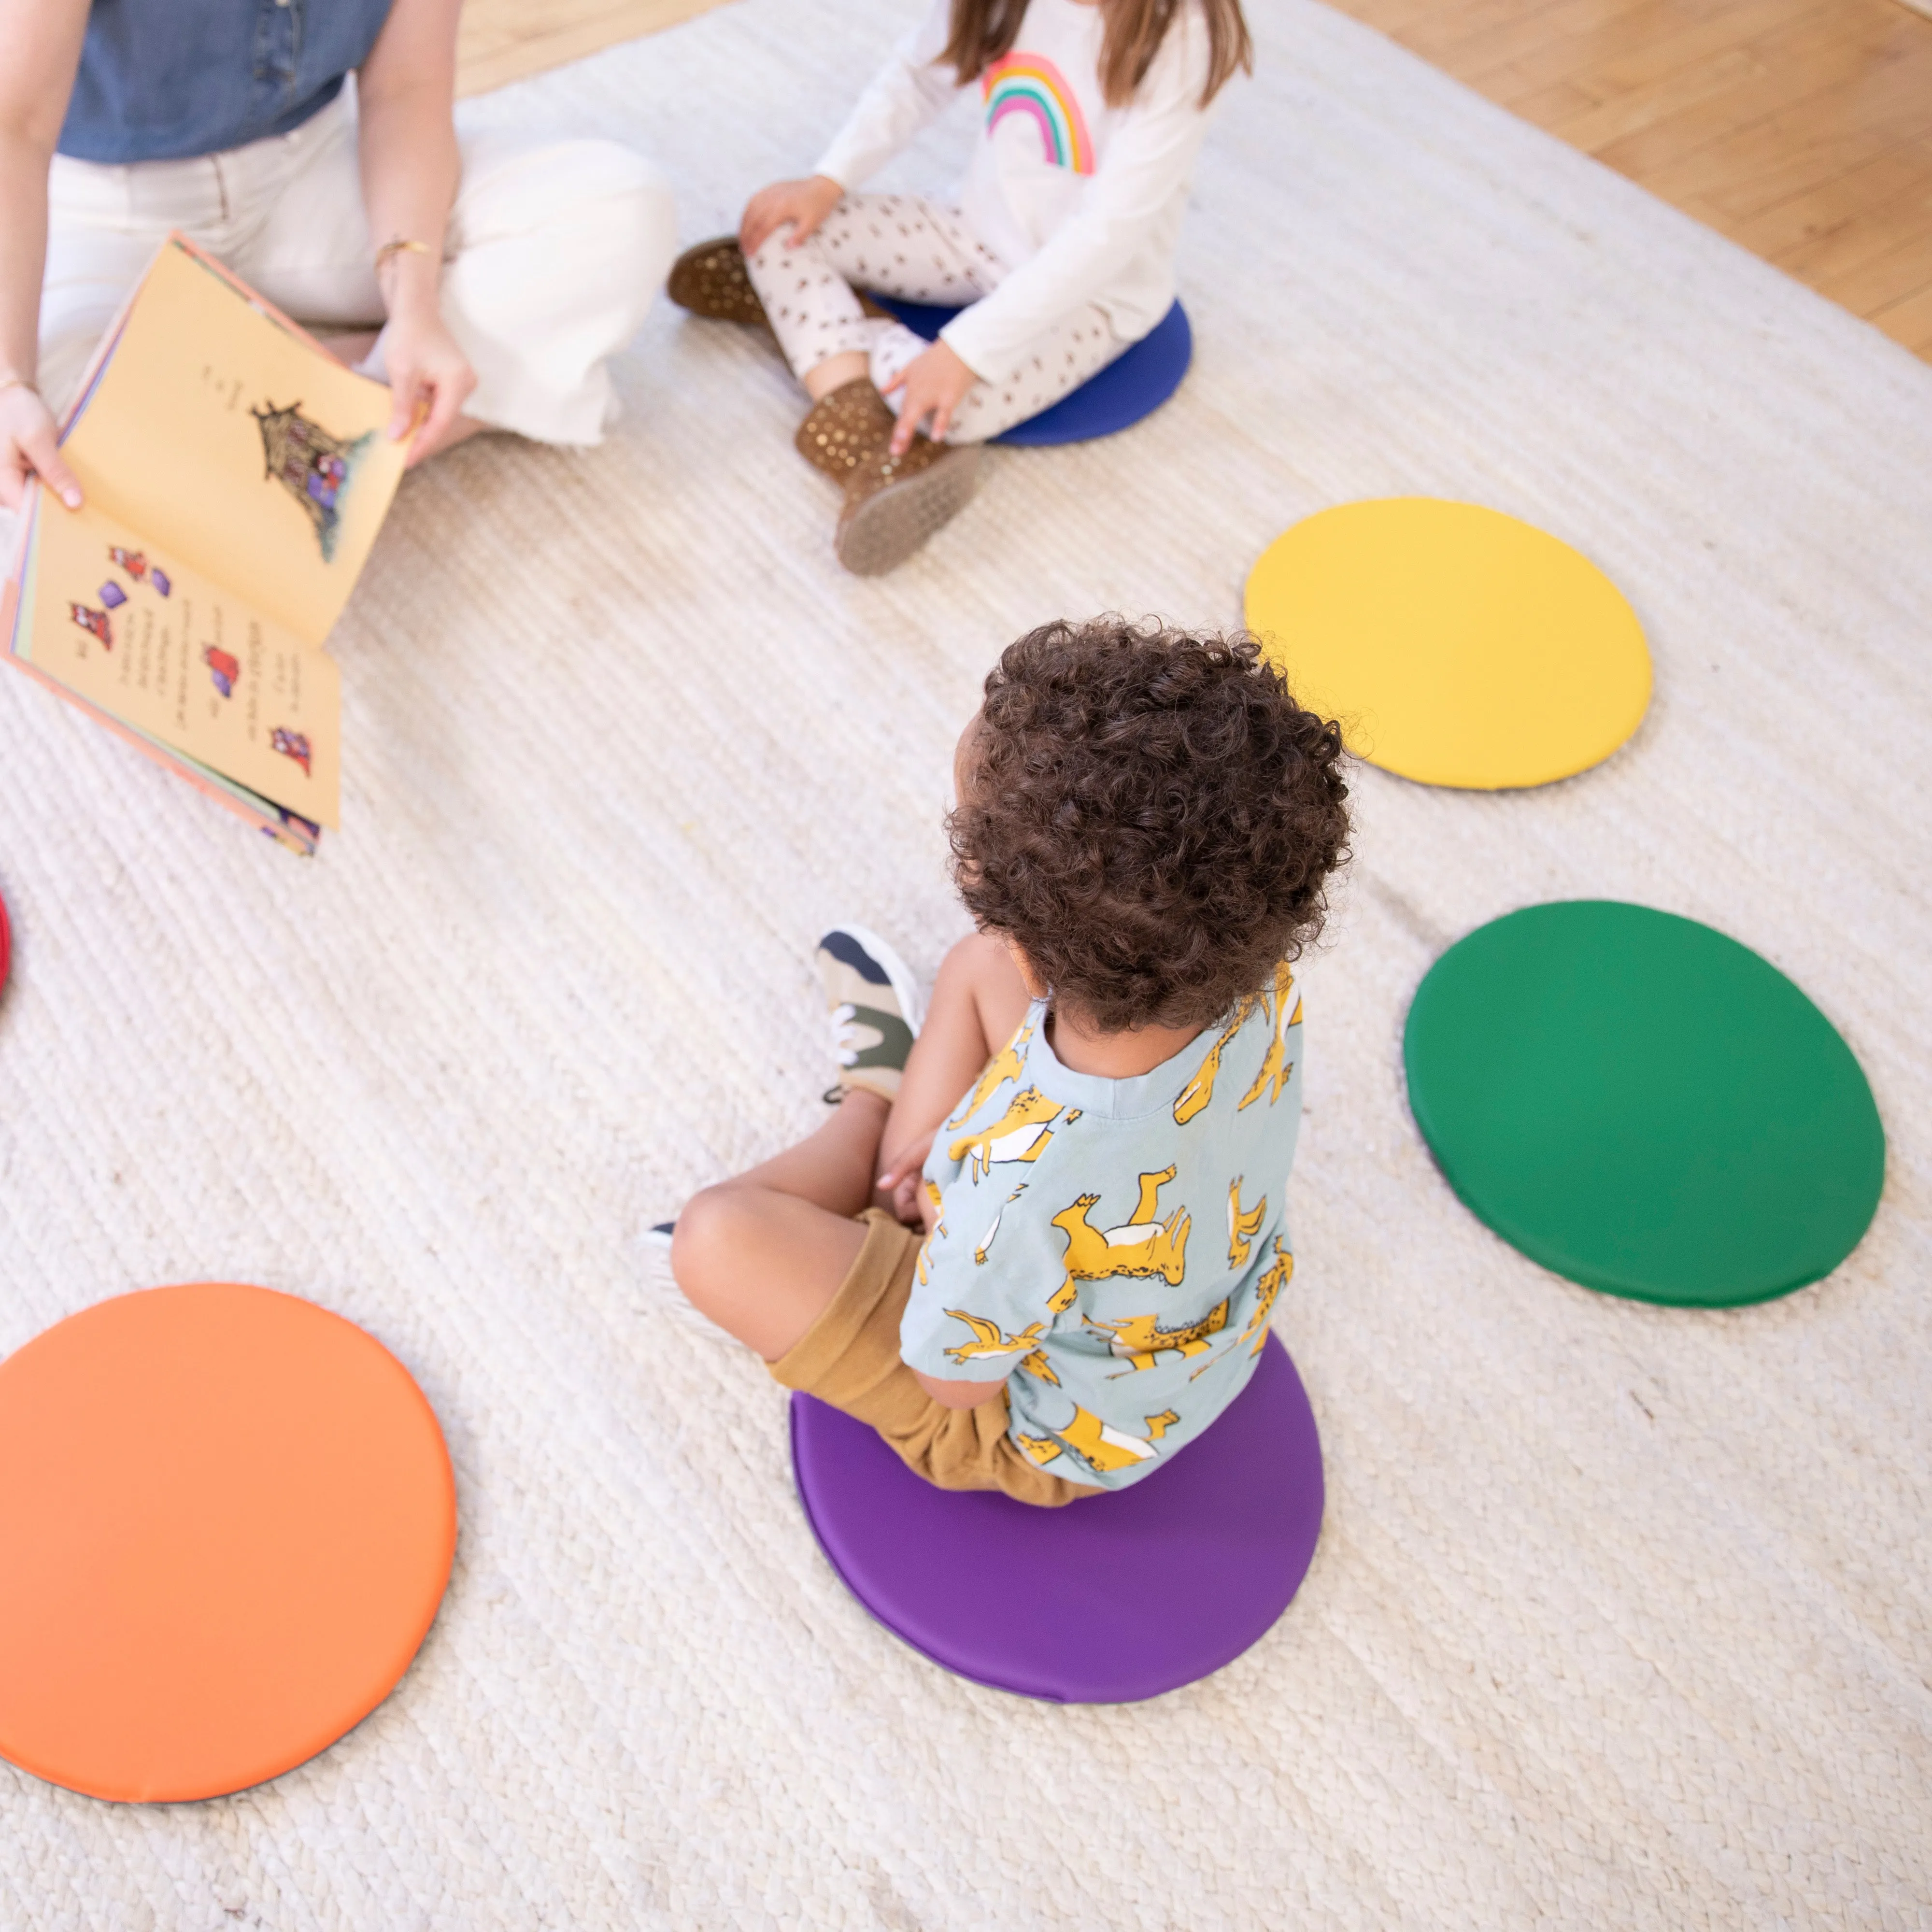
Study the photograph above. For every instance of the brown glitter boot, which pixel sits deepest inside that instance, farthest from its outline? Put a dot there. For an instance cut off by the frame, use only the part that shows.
(709, 279)
(893, 503)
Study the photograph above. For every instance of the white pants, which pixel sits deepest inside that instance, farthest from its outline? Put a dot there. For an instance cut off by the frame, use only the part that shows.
(555, 250)
(895, 244)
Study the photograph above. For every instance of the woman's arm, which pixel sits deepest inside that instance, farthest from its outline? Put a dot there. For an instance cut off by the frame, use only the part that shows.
(405, 93)
(40, 53)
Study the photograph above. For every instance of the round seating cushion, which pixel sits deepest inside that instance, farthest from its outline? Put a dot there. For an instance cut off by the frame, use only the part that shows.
(1643, 1104)
(226, 1519)
(1134, 385)
(1113, 1598)
(1456, 646)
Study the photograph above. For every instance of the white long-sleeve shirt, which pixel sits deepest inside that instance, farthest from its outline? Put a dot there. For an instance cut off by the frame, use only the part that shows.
(1080, 202)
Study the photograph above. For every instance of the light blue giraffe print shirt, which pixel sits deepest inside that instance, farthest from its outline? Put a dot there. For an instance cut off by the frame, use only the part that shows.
(1115, 1246)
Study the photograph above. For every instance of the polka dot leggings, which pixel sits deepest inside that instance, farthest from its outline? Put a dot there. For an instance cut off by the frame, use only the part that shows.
(896, 245)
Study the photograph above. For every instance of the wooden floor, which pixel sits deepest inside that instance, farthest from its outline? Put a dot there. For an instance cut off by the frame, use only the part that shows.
(502, 41)
(1801, 128)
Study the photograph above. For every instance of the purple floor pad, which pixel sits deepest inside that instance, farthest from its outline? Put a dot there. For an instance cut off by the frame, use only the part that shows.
(1134, 385)
(1111, 1599)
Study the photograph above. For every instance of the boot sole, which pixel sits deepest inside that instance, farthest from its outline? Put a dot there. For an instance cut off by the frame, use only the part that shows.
(891, 522)
(692, 290)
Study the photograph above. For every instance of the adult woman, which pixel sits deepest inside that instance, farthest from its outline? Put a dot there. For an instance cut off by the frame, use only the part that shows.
(309, 145)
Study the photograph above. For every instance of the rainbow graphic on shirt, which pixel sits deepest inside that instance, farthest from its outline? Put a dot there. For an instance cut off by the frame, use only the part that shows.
(1031, 85)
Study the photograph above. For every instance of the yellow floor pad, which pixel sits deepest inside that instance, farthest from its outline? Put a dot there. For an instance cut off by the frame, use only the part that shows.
(1457, 646)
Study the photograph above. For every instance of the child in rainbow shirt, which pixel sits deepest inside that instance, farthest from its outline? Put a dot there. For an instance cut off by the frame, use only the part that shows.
(1060, 252)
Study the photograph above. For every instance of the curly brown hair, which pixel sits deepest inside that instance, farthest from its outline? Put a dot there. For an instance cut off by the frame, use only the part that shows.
(1150, 816)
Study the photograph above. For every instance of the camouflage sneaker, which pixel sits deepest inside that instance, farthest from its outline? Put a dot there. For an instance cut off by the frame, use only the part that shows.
(874, 1006)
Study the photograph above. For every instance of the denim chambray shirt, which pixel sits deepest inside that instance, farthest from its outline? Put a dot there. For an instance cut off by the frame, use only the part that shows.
(161, 79)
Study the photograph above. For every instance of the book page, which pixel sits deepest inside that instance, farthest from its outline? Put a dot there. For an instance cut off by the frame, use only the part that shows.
(236, 447)
(123, 623)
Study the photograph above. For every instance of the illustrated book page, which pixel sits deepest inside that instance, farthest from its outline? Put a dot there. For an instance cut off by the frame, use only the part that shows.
(235, 444)
(235, 475)
(128, 628)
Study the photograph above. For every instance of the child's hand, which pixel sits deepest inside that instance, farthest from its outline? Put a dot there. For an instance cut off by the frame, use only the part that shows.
(805, 204)
(935, 385)
(902, 1184)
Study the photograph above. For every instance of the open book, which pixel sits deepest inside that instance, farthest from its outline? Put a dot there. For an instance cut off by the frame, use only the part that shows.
(235, 475)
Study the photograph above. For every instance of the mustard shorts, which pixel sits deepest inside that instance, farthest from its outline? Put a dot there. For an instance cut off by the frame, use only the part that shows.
(850, 1357)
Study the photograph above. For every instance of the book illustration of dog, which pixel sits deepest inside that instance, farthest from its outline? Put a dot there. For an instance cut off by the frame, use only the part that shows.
(1004, 1066)
(1021, 1133)
(1140, 1246)
(1140, 1339)
(1242, 1229)
(1097, 1444)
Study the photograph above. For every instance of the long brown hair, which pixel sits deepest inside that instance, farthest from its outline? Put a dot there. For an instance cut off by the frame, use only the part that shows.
(983, 30)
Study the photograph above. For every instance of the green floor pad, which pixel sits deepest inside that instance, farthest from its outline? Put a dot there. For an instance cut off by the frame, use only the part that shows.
(1643, 1104)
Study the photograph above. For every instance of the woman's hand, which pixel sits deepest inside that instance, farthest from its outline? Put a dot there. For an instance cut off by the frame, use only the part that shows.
(935, 385)
(805, 204)
(902, 1187)
(429, 375)
(29, 446)
(406, 141)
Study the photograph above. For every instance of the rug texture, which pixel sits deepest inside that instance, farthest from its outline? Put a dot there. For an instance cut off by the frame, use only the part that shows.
(1621, 1615)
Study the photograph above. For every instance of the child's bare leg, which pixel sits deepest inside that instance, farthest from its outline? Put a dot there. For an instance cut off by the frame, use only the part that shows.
(832, 1167)
(763, 1254)
(834, 373)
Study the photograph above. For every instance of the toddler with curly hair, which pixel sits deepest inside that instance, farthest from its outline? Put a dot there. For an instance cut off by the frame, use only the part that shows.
(1037, 1245)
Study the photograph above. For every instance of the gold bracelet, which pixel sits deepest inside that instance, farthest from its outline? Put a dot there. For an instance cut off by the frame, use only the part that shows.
(398, 247)
(11, 380)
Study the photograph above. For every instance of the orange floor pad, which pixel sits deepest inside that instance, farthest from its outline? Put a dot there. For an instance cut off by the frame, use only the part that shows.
(226, 1519)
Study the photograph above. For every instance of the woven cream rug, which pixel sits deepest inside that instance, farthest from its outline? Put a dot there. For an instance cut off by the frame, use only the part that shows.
(1621, 1617)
